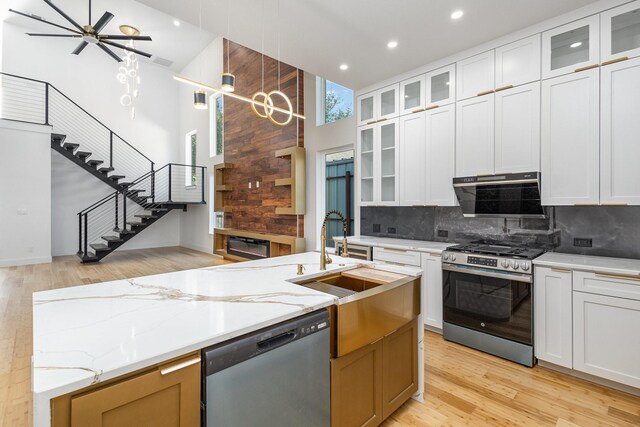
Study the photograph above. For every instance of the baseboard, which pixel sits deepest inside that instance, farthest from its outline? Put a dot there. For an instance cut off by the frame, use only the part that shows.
(24, 261)
(432, 329)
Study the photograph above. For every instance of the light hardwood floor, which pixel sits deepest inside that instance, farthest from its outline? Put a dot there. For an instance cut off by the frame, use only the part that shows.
(463, 387)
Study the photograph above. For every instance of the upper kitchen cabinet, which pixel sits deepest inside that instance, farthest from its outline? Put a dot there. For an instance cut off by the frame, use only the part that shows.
(620, 33)
(380, 105)
(570, 139)
(379, 163)
(413, 149)
(440, 87)
(517, 129)
(475, 76)
(412, 95)
(475, 136)
(440, 152)
(620, 127)
(571, 48)
(518, 63)
(367, 167)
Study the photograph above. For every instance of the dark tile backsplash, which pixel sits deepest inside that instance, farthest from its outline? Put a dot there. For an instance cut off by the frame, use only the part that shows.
(614, 230)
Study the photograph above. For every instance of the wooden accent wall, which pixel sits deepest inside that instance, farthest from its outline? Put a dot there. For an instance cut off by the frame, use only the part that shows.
(250, 143)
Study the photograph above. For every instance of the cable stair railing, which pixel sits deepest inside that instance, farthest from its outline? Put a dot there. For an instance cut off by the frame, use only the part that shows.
(82, 138)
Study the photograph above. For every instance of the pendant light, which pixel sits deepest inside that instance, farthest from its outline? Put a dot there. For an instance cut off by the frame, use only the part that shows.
(200, 96)
(228, 79)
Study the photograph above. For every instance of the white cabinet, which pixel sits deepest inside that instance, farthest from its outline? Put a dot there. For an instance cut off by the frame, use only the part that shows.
(379, 105)
(377, 149)
(517, 129)
(620, 32)
(552, 302)
(475, 136)
(475, 75)
(619, 133)
(367, 107)
(413, 153)
(606, 339)
(571, 47)
(440, 87)
(432, 290)
(440, 152)
(412, 95)
(570, 139)
(518, 63)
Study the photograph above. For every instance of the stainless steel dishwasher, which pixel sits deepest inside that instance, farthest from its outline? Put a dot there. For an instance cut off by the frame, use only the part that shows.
(277, 376)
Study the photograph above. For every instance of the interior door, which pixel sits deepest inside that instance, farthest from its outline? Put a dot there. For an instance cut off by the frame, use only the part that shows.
(475, 136)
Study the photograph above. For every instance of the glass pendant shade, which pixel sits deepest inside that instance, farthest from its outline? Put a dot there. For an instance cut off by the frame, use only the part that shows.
(228, 82)
(200, 99)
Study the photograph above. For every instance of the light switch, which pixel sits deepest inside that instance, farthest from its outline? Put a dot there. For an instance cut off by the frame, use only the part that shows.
(23, 211)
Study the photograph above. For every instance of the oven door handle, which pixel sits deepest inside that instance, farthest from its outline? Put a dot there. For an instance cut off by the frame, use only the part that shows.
(508, 276)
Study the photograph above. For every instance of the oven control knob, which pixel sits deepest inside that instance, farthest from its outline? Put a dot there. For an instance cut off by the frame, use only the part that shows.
(445, 256)
(453, 257)
(515, 265)
(525, 266)
(505, 263)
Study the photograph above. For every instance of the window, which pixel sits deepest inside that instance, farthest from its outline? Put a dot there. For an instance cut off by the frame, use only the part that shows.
(191, 143)
(216, 135)
(334, 102)
(339, 192)
(216, 219)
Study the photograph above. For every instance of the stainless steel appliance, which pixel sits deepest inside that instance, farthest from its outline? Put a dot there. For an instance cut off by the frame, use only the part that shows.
(277, 376)
(488, 298)
(247, 247)
(355, 251)
(515, 195)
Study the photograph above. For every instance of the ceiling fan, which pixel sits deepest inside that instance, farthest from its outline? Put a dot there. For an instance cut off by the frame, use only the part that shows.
(90, 34)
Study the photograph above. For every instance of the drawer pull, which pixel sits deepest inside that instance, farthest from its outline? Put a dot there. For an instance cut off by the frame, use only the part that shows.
(178, 366)
(432, 107)
(486, 92)
(381, 120)
(419, 110)
(371, 122)
(618, 276)
(613, 61)
(504, 88)
(588, 67)
(391, 333)
(435, 255)
(615, 204)
(586, 204)
(560, 270)
(378, 340)
(394, 250)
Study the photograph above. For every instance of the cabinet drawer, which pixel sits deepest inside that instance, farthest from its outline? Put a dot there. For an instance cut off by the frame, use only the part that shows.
(623, 286)
(397, 256)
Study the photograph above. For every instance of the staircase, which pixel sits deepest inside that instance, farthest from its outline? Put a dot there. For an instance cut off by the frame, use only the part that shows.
(142, 195)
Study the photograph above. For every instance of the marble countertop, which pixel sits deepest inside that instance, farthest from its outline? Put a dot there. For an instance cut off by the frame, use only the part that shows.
(86, 334)
(589, 263)
(386, 242)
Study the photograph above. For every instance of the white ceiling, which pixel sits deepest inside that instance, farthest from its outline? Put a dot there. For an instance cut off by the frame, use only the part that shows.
(319, 35)
(177, 44)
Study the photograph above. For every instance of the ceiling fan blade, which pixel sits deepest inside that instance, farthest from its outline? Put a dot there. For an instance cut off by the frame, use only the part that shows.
(54, 35)
(121, 37)
(64, 15)
(37, 18)
(80, 48)
(102, 22)
(109, 52)
(130, 49)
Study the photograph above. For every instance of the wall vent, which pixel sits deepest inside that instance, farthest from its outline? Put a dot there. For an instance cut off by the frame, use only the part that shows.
(161, 61)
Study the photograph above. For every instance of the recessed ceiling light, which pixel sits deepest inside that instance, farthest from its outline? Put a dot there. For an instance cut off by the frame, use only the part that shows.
(176, 22)
(576, 44)
(392, 44)
(344, 67)
(457, 14)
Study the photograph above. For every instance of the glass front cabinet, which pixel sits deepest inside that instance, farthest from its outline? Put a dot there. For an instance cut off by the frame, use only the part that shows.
(379, 163)
(379, 105)
(571, 48)
(620, 33)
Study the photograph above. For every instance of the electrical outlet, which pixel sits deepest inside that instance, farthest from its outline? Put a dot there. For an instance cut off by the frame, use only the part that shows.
(391, 230)
(376, 228)
(582, 242)
(443, 233)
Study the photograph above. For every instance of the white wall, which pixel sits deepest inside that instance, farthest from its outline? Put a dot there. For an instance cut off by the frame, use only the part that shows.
(205, 68)
(25, 197)
(90, 80)
(317, 141)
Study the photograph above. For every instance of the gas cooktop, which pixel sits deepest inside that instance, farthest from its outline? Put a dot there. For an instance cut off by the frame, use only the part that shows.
(497, 249)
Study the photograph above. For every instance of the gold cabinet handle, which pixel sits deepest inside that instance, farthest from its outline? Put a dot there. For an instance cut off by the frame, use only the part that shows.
(371, 122)
(613, 61)
(615, 204)
(394, 250)
(560, 270)
(486, 92)
(181, 365)
(381, 120)
(618, 276)
(435, 255)
(419, 110)
(432, 107)
(588, 67)
(504, 88)
(586, 204)
(391, 333)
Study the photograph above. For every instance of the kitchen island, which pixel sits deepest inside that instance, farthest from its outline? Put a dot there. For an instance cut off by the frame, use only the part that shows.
(91, 334)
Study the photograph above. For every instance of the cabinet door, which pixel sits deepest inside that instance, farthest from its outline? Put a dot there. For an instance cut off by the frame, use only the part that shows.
(570, 139)
(412, 95)
(552, 296)
(571, 47)
(475, 136)
(440, 152)
(432, 292)
(620, 32)
(388, 102)
(162, 397)
(619, 133)
(605, 340)
(389, 162)
(412, 154)
(440, 86)
(367, 108)
(518, 63)
(399, 367)
(517, 147)
(367, 167)
(356, 388)
(475, 75)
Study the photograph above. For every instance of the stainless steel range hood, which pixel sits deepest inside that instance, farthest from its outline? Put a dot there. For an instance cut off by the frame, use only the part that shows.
(515, 195)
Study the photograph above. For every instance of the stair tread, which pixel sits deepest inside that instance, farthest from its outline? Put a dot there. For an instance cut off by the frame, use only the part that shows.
(134, 223)
(124, 184)
(112, 238)
(70, 145)
(116, 177)
(83, 154)
(107, 169)
(146, 216)
(126, 232)
(99, 247)
(95, 162)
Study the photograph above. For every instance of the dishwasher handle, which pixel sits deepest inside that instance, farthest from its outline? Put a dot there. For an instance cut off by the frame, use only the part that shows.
(277, 341)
